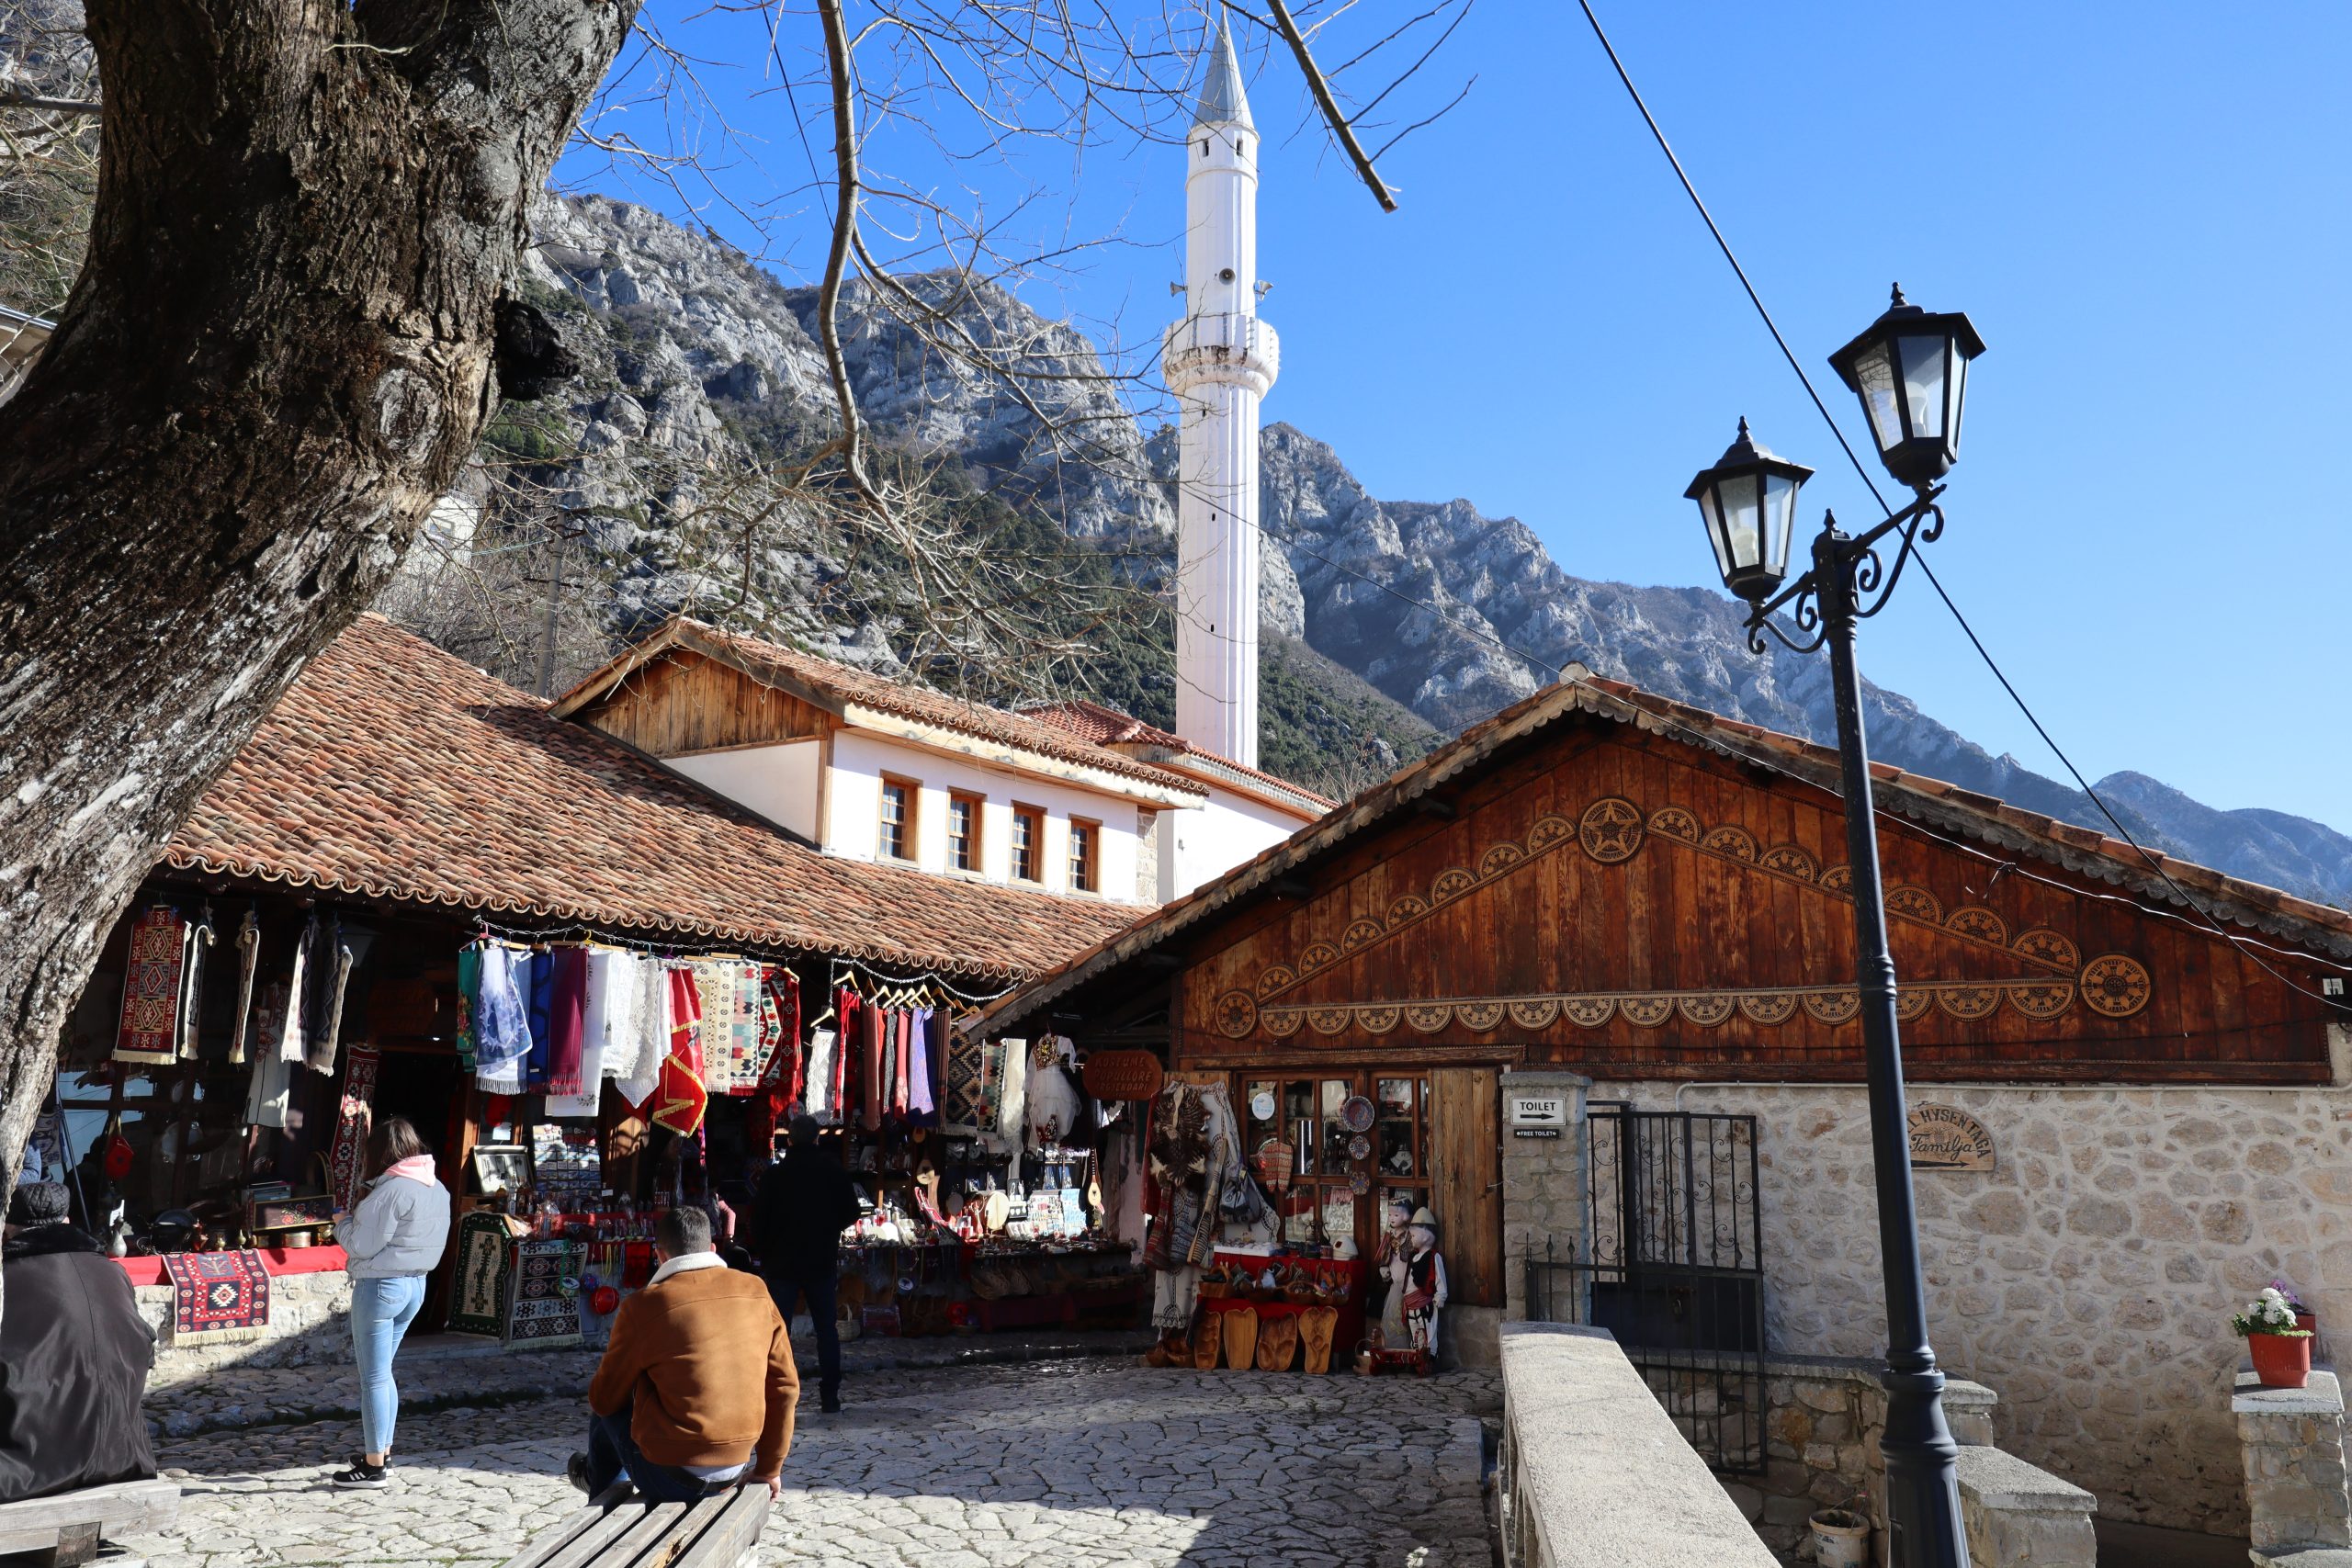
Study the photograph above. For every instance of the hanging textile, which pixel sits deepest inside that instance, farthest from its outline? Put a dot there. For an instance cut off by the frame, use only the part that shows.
(820, 1101)
(1013, 1095)
(217, 1296)
(502, 1027)
(646, 1040)
(567, 1008)
(685, 1017)
(469, 1004)
(849, 1033)
(324, 1028)
(543, 1313)
(285, 1041)
(352, 1125)
(902, 1043)
(195, 941)
(872, 1027)
(540, 998)
(597, 970)
(780, 1077)
(480, 1303)
(679, 1098)
(919, 1102)
(963, 1106)
(248, 958)
(267, 1092)
(730, 995)
(149, 1030)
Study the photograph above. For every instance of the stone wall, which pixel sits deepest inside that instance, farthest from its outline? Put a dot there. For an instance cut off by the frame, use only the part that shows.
(310, 1326)
(1543, 1185)
(2088, 1276)
(2295, 1489)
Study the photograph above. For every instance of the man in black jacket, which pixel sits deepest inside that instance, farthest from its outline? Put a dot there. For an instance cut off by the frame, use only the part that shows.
(74, 1357)
(806, 1201)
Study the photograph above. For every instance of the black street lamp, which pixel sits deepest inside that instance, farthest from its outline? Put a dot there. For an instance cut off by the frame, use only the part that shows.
(1910, 371)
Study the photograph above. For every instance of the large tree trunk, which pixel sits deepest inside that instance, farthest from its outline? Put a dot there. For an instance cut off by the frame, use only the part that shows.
(277, 356)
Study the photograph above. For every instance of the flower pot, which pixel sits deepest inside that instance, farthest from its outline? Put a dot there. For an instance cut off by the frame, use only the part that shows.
(2280, 1361)
(2307, 1321)
(1841, 1539)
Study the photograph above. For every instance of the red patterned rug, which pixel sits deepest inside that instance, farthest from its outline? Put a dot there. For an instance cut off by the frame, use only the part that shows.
(150, 1028)
(217, 1296)
(352, 1126)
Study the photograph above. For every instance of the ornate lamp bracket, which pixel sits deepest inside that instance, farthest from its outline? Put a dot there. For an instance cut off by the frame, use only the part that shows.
(1848, 579)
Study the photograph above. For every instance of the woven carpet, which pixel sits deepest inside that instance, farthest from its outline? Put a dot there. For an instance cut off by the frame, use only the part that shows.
(483, 1258)
(545, 1312)
(351, 1125)
(150, 1031)
(217, 1296)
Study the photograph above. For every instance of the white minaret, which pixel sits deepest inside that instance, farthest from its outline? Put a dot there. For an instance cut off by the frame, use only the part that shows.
(1220, 360)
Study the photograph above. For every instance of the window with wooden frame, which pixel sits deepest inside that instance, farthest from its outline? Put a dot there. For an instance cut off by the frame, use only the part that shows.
(963, 831)
(896, 839)
(1085, 845)
(1028, 843)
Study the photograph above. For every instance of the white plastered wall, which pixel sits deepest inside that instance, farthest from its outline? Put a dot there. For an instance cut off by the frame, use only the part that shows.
(777, 782)
(854, 803)
(1197, 845)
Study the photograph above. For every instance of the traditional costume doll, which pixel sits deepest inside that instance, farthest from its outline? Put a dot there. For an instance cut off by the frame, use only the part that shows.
(1390, 1262)
(1424, 1282)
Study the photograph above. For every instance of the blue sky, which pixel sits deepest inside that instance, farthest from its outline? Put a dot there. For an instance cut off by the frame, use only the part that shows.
(2145, 212)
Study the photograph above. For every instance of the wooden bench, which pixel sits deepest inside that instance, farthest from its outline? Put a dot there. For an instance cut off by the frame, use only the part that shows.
(69, 1525)
(620, 1529)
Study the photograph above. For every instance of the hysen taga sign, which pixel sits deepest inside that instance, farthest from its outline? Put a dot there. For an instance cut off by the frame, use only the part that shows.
(1944, 1137)
(1538, 1115)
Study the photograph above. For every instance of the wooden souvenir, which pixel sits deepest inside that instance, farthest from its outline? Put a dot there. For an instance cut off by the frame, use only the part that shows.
(1123, 1075)
(1240, 1325)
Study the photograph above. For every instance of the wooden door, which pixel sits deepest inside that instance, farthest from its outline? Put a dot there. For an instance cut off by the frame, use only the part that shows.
(1466, 1182)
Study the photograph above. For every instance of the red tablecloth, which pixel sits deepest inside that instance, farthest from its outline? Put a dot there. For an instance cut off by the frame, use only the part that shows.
(273, 1261)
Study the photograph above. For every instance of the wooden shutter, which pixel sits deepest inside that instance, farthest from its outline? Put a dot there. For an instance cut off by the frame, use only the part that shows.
(1466, 1182)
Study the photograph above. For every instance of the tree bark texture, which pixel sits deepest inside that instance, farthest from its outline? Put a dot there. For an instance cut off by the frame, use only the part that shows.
(278, 354)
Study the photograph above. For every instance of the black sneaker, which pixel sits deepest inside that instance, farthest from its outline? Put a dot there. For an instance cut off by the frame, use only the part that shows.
(362, 1476)
(830, 1408)
(575, 1470)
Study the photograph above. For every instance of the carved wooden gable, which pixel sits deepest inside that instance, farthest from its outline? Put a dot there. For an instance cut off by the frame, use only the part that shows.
(1621, 902)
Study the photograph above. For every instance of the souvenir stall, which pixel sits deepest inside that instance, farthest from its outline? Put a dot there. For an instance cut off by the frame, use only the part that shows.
(1252, 1240)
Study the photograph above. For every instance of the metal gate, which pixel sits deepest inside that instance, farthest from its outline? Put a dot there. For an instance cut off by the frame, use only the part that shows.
(1673, 1266)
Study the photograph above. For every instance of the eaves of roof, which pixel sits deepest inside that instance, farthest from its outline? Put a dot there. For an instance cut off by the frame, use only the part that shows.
(1933, 804)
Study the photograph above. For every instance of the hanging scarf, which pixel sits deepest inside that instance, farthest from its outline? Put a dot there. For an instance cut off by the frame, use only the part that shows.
(567, 1008)
(845, 1043)
(285, 1041)
(199, 937)
(469, 1004)
(916, 1076)
(872, 1027)
(248, 956)
(327, 1034)
(502, 1027)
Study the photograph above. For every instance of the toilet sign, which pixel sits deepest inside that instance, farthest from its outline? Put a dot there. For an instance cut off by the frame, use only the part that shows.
(1538, 1115)
(1944, 1137)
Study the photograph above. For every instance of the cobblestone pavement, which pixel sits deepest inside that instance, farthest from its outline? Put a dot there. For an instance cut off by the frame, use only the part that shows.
(448, 1369)
(1090, 1462)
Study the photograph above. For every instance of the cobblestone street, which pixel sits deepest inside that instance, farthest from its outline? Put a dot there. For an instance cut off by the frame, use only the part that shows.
(1090, 1463)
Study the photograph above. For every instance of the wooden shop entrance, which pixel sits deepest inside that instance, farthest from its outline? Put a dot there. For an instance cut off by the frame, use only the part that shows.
(1434, 1140)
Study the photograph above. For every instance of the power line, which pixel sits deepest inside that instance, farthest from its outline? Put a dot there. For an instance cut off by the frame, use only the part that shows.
(2155, 864)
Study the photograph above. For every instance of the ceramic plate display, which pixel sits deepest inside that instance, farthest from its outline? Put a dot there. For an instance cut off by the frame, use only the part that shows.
(1356, 1114)
(1361, 1182)
(1359, 1147)
(1262, 1105)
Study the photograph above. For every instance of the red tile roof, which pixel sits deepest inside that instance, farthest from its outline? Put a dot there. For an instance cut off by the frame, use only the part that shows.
(833, 685)
(1101, 725)
(2319, 928)
(394, 770)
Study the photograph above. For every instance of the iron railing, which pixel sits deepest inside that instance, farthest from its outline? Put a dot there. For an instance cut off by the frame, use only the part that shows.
(1672, 1266)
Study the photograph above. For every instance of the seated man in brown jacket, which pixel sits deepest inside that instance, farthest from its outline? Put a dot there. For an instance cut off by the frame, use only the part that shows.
(697, 1387)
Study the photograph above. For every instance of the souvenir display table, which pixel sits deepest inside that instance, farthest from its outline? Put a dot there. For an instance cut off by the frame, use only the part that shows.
(1324, 1276)
(275, 1261)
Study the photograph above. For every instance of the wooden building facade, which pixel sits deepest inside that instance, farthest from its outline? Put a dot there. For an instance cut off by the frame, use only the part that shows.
(1603, 887)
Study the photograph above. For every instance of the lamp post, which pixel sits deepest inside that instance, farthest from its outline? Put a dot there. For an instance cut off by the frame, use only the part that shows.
(1910, 367)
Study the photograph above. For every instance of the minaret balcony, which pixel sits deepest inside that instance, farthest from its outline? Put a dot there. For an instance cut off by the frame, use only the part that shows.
(1229, 347)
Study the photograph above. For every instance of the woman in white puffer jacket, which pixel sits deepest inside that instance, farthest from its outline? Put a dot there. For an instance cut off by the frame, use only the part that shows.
(392, 1240)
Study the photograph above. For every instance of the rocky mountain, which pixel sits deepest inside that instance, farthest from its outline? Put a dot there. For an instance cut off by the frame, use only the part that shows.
(1389, 623)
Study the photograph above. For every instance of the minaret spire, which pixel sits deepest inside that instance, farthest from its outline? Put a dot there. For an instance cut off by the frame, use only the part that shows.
(1219, 361)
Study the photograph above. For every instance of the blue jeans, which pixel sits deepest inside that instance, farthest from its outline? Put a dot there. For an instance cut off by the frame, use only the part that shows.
(381, 1311)
(612, 1450)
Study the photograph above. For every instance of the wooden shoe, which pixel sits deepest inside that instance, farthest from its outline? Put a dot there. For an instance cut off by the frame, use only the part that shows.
(1205, 1345)
(1316, 1326)
(1277, 1343)
(1240, 1338)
